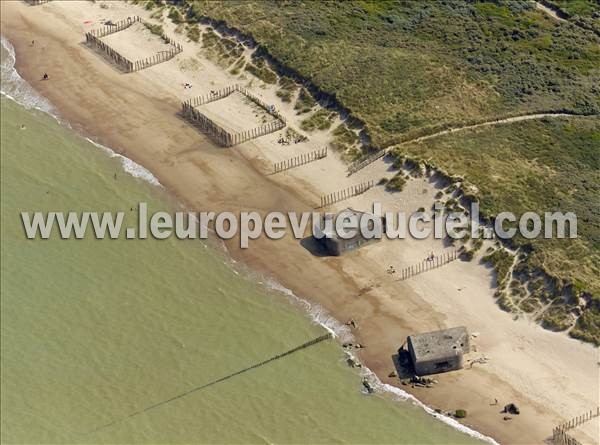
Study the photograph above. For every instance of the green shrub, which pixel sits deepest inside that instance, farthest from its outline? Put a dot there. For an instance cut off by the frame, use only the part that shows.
(193, 33)
(284, 95)
(501, 260)
(320, 120)
(460, 413)
(587, 327)
(263, 72)
(155, 28)
(175, 15)
(305, 102)
(396, 184)
(467, 255)
(237, 67)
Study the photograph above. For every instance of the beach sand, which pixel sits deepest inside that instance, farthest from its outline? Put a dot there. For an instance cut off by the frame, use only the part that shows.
(551, 377)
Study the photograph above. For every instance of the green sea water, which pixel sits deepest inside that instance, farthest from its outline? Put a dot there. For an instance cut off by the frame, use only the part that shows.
(94, 330)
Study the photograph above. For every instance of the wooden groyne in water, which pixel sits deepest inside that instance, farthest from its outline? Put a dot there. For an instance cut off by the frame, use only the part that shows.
(93, 39)
(312, 342)
(218, 133)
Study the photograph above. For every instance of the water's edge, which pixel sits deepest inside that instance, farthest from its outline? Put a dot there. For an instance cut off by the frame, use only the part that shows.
(14, 87)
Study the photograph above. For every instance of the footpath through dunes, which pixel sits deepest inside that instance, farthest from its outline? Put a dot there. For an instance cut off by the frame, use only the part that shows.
(361, 163)
(137, 114)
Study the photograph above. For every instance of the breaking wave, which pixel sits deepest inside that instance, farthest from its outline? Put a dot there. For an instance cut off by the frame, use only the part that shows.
(321, 316)
(19, 90)
(16, 88)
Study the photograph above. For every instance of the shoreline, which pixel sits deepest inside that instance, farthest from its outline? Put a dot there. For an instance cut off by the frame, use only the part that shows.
(317, 315)
(336, 278)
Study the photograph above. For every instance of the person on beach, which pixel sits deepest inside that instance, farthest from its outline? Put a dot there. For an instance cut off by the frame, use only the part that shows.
(45, 76)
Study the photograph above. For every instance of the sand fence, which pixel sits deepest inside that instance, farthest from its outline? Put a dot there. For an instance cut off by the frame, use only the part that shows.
(93, 39)
(431, 263)
(217, 132)
(299, 160)
(360, 164)
(346, 193)
(559, 434)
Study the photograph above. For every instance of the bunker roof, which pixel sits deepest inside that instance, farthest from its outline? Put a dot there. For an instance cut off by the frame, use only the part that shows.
(354, 222)
(439, 344)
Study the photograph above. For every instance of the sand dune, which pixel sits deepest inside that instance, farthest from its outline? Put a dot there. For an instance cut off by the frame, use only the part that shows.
(550, 376)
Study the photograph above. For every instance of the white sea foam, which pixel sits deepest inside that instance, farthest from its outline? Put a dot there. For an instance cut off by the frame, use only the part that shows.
(17, 89)
(322, 317)
(317, 313)
(129, 166)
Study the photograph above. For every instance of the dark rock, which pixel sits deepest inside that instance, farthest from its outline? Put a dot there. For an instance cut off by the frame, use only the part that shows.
(511, 408)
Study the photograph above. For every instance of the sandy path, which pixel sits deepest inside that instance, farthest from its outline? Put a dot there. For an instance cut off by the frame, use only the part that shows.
(509, 120)
(551, 12)
(136, 114)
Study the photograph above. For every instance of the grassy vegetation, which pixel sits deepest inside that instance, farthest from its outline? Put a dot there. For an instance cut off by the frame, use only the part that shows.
(460, 413)
(291, 135)
(155, 29)
(396, 184)
(588, 325)
(585, 13)
(222, 50)
(584, 8)
(343, 135)
(536, 166)
(261, 70)
(287, 89)
(501, 260)
(238, 66)
(193, 33)
(305, 102)
(406, 68)
(540, 166)
(175, 15)
(319, 120)
(346, 142)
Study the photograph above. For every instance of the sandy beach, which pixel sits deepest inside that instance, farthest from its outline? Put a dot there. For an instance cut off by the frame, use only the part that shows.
(551, 377)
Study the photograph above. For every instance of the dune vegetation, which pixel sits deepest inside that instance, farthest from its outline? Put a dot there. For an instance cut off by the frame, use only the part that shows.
(402, 69)
(538, 166)
(408, 68)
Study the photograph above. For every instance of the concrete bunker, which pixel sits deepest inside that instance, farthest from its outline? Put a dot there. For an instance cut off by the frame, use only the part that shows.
(438, 351)
(357, 222)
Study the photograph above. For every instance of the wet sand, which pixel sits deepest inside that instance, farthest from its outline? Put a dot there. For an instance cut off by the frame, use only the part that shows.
(137, 115)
